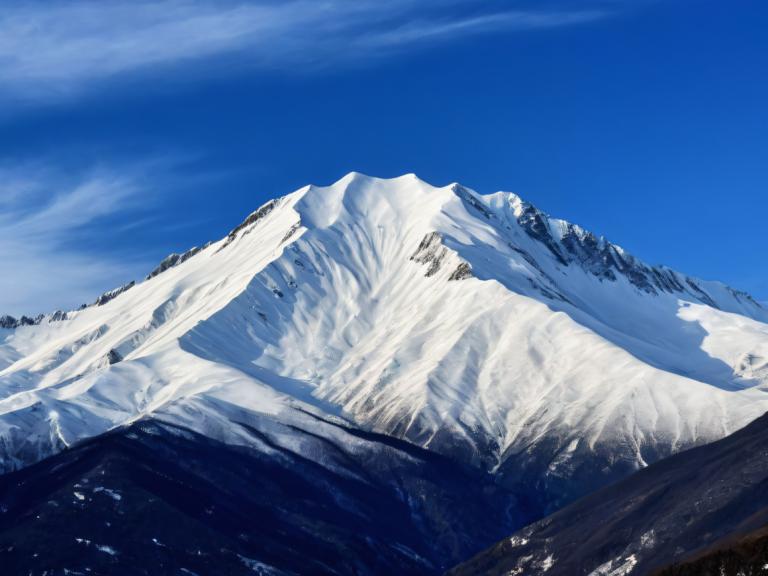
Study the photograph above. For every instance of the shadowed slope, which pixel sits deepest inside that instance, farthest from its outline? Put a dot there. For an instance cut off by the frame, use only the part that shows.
(662, 514)
(157, 499)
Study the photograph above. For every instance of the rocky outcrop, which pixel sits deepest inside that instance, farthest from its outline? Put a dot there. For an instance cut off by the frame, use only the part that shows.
(252, 219)
(463, 271)
(9, 322)
(114, 357)
(112, 294)
(430, 252)
(291, 231)
(469, 199)
(175, 259)
(58, 316)
(536, 225)
(570, 244)
(433, 253)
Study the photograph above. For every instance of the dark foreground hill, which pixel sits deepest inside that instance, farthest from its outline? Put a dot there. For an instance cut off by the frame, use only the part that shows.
(156, 499)
(738, 554)
(703, 511)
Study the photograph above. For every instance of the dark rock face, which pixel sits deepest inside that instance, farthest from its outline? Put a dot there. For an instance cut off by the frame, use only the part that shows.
(259, 214)
(661, 516)
(155, 499)
(607, 261)
(574, 246)
(463, 271)
(256, 215)
(571, 245)
(112, 294)
(58, 316)
(291, 231)
(469, 199)
(114, 357)
(9, 322)
(536, 225)
(168, 262)
(430, 252)
(175, 259)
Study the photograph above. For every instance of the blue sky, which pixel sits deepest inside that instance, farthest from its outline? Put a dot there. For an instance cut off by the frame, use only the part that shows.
(129, 129)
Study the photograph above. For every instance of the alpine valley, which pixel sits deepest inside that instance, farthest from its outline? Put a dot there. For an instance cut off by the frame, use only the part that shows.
(374, 377)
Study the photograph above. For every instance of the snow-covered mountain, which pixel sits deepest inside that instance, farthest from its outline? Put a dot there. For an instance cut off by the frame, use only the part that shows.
(472, 325)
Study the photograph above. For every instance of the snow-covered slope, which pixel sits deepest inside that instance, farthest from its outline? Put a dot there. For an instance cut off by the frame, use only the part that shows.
(474, 325)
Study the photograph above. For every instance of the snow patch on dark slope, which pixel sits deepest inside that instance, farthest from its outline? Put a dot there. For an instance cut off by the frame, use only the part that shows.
(473, 325)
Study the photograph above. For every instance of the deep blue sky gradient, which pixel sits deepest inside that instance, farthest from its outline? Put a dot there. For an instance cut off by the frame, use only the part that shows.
(649, 126)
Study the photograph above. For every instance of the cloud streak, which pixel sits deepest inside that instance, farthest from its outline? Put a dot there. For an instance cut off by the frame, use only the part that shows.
(421, 32)
(50, 49)
(43, 268)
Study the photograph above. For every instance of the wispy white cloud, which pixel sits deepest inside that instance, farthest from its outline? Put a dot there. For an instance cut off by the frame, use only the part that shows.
(41, 211)
(421, 31)
(55, 48)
